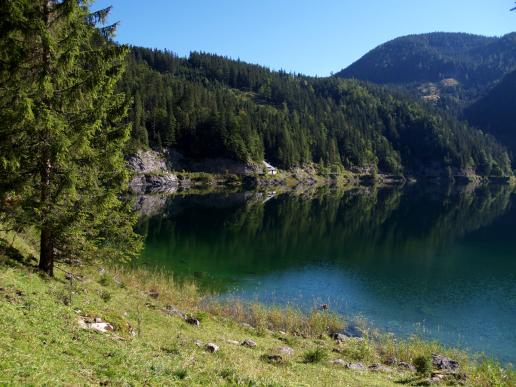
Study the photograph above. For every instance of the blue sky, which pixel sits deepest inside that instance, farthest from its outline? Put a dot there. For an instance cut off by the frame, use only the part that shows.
(313, 37)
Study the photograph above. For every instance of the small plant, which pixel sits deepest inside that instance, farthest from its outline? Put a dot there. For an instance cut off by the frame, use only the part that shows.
(315, 355)
(105, 296)
(105, 280)
(171, 350)
(180, 373)
(423, 365)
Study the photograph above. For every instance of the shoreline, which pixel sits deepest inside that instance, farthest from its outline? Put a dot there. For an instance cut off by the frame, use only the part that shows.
(154, 172)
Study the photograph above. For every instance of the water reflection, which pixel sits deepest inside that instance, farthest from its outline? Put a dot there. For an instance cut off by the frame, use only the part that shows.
(438, 259)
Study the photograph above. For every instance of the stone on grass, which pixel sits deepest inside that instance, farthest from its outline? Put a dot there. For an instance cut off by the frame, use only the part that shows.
(234, 342)
(173, 311)
(339, 362)
(192, 321)
(199, 343)
(339, 337)
(96, 324)
(285, 350)
(406, 366)
(355, 366)
(212, 348)
(444, 363)
(249, 343)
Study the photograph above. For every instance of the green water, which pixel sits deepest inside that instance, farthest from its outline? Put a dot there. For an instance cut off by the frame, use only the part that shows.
(436, 261)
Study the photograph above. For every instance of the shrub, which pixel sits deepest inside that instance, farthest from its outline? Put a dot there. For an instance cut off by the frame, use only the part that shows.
(180, 373)
(315, 355)
(423, 365)
(105, 296)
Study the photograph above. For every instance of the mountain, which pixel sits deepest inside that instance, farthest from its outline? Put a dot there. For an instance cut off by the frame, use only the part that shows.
(495, 113)
(207, 106)
(448, 69)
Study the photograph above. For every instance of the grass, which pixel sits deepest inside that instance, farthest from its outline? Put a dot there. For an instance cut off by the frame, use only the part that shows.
(41, 341)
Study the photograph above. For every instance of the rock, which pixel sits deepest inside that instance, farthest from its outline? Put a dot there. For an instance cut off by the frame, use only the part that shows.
(282, 333)
(173, 311)
(69, 276)
(234, 342)
(212, 348)
(406, 366)
(355, 366)
(151, 173)
(96, 325)
(153, 294)
(249, 343)
(379, 368)
(192, 321)
(285, 350)
(199, 343)
(248, 326)
(391, 361)
(444, 363)
(339, 362)
(339, 337)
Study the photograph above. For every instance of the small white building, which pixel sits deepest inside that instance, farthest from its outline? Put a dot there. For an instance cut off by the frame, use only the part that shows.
(269, 169)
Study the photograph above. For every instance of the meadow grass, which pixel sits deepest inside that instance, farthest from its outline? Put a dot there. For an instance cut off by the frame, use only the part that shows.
(41, 341)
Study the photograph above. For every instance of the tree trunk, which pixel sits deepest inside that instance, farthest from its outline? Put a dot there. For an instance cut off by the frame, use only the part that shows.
(46, 253)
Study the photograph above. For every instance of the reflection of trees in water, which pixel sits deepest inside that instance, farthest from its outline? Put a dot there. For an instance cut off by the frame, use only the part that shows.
(241, 234)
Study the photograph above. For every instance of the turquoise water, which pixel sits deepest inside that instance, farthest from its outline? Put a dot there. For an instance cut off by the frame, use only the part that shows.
(436, 261)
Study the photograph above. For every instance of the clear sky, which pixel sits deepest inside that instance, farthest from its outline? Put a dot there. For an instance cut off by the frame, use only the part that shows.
(313, 37)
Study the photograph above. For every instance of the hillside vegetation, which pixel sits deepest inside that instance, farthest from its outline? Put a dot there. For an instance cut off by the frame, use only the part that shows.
(496, 112)
(211, 106)
(454, 68)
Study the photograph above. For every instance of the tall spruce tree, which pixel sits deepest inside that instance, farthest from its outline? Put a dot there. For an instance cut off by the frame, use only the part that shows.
(62, 129)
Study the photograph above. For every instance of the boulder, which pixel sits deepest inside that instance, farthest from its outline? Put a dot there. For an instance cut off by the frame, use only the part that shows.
(285, 350)
(96, 324)
(406, 366)
(444, 363)
(249, 343)
(355, 366)
(212, 348)
(339, 336)
(192, 321)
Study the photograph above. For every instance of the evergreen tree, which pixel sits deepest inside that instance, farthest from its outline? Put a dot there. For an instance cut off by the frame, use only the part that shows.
(62, 129)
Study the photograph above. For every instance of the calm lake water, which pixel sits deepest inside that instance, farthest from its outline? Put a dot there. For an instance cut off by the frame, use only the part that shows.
(439, 262)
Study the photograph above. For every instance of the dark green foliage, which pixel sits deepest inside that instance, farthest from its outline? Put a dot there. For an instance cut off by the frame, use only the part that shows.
(62, 130)
(413, 61)
(315, 355)
(423, 365)
(496, 112)
(210, 106)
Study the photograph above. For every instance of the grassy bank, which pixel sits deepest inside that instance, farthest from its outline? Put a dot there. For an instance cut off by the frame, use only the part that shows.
(42, 342)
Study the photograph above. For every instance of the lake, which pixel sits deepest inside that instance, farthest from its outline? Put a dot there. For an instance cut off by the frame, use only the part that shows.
(435, 261)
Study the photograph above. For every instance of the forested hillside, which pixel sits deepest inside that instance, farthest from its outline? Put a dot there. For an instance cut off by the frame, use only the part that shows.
(207, 106)
(496, 112)
(449, 69)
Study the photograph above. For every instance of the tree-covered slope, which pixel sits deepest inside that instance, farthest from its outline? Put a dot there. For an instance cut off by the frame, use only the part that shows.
(210, 106)
(496, 112)
(454, 67)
